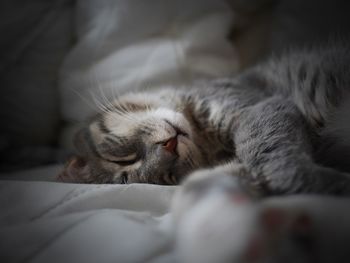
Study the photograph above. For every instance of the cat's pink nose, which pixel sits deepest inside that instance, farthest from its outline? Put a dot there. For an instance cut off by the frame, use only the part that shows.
(170, 145)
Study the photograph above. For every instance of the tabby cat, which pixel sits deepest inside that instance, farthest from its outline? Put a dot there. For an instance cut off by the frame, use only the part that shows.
(284, 120)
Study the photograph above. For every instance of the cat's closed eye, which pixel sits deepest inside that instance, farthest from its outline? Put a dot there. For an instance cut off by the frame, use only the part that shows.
(124, 161)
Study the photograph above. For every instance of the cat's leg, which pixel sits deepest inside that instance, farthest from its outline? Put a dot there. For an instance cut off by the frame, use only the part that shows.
(273, 141)
(221, 179)
(217, 221)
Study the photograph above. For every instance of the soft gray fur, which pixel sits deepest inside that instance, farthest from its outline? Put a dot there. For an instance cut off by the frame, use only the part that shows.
(278, 119)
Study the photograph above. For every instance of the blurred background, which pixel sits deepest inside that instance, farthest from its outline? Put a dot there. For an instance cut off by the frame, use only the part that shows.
(59, 56)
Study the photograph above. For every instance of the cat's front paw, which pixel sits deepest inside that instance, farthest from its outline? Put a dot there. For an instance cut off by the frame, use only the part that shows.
(210, 205)
(203, 184)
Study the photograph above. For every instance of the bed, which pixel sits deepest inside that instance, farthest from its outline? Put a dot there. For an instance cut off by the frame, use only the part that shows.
(66, 54)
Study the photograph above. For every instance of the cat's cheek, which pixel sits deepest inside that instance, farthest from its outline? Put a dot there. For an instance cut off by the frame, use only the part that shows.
(182, 146)
(187, 148)
(76, 170)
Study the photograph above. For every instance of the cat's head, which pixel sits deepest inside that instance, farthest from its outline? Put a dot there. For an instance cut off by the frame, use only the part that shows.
(141, 137)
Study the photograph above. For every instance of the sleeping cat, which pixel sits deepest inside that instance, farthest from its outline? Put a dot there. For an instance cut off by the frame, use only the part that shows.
(283, 120)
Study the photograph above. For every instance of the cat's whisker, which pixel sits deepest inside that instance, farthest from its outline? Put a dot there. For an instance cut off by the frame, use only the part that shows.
(194, 163)
(129, 116)
(106, 101)
(116, 101)
(105, 110)
(122, 114)
(99, 104)
(108, 106)
(114, 93)
(123, 111)
(148, 107)
(188, 161)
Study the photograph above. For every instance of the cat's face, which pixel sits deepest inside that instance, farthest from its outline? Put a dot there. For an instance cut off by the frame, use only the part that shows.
(137, 139)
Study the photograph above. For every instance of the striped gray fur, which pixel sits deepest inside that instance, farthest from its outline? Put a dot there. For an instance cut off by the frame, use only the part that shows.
(276, 119)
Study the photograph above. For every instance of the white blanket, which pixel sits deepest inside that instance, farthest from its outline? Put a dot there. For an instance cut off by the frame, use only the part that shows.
(58, 222)
(54, 222)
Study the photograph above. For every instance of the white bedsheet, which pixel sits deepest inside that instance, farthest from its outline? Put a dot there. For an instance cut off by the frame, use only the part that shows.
(56, 222)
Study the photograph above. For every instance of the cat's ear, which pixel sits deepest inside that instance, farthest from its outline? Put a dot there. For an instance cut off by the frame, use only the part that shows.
(76, 170)
(80, 141)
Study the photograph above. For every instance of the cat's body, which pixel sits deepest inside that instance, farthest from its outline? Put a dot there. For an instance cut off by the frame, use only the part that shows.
(280, 120)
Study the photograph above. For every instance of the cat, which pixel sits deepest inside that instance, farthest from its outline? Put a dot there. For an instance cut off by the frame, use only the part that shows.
(283, 120)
